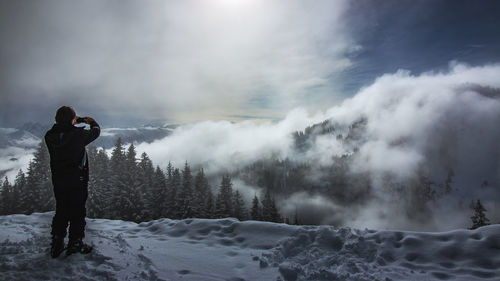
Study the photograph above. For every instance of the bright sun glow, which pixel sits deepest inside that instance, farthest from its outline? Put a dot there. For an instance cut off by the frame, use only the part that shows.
(234, 3)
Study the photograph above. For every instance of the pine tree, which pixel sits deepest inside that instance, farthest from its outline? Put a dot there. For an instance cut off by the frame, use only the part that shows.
(118, 182)
(296, 219)
(269, 210)
(6, 198)
(224, 201)
(169, 196)
(39, 194)
(99, 183)
(256, 210)
(275, 215)
(133, 207)
(185, 195)
(170, 170)
(158, 195)
(201, 189)
(478, 218)
(240, 211)
(175, 186)
(17, 190)
(266, 206)
(146, 176)
(2, 200)
(210, 205)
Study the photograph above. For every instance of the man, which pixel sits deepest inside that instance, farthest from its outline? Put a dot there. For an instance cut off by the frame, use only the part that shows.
(70, 174)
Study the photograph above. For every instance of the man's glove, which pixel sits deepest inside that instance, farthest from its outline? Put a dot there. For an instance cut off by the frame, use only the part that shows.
(88, 120)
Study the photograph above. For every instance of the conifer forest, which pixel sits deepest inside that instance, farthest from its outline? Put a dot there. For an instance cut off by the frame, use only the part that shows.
(127, 187)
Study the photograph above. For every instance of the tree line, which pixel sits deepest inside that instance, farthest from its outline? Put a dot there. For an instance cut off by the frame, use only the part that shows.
(126, 187)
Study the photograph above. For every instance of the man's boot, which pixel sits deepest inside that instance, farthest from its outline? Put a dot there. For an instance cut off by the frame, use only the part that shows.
(77, 246)
(56, 246)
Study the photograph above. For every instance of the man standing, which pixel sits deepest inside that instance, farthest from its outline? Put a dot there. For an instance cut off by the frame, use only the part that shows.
(70, 174)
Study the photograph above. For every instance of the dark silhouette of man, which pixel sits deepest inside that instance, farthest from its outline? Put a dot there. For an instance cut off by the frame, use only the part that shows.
(70, 174)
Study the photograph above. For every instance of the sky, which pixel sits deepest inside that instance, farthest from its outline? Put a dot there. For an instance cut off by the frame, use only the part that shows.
(128, 63)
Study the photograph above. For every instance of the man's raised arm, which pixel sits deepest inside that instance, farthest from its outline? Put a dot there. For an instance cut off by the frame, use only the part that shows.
(94, 131)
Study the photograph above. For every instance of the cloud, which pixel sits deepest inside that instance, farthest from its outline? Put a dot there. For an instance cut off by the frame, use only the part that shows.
(409, 116)
(404, 114)
(427, 124)
(222, 146)
(14, 159)
(176, 60)
(312, 209)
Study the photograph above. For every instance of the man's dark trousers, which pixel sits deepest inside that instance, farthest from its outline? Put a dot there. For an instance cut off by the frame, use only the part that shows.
(71, 193)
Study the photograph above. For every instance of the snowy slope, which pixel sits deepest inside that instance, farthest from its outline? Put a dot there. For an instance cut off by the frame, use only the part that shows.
(226, 249)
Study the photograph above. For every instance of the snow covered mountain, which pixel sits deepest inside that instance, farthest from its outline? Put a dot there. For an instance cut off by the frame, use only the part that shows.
(29, 135)
(18, 144)
(227, 249)
(17, 137)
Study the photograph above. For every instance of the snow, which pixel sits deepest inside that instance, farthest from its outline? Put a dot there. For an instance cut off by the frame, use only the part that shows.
(226, 249)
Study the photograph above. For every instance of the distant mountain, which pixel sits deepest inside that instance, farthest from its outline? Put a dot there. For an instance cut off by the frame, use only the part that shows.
(128, 135)
(18, 144)
(29, 135)
(26, 136)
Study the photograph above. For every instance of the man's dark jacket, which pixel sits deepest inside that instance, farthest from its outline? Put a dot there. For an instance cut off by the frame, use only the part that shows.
(66, 144)
(70, 175)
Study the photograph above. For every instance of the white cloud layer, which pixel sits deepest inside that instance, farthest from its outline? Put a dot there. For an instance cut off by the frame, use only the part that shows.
(431, 122)
(14, 159)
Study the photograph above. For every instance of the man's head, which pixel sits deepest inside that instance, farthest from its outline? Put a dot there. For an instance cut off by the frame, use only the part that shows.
(65, 115)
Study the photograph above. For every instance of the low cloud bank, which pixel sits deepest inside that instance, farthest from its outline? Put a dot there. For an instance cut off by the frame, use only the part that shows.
(14, 159)
(435, 124)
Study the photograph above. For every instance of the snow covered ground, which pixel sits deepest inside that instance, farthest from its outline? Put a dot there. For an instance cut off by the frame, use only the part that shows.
(226, 249)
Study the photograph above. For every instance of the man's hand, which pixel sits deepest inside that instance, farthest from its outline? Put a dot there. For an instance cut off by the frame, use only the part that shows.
(88, 120)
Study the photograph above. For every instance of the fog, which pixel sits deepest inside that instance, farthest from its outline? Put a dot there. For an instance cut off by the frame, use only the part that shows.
(14, 159)
(427, 123)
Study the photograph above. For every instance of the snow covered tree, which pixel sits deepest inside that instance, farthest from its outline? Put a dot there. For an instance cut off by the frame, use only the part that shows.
(170, 170)
(99, 183)
(200, 192)
(269, 210)
(296, 220)
(256, 211)
(38, 195)
(132, 208)
(6, 198)
(145, 177)
(185, 195)
(18, 188)
(239, 209)
(175, 185)
(118, 183)
(210, 205)
(158, 195)
(478, 218)
(224, 201)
